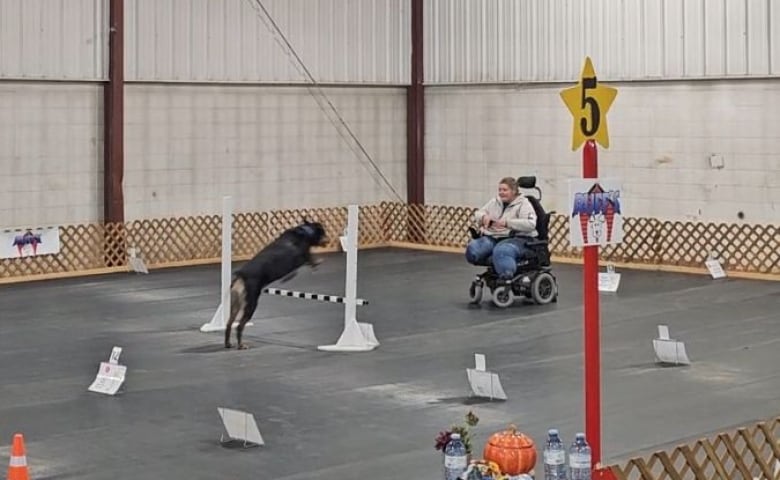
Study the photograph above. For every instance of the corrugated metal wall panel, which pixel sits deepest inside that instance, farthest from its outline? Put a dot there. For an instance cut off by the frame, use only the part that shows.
(53, 39)
(693, 37)
(368, 41)
(473, 41)
(653, 40)
(736, 37)
(360, 41)
(674, 36)
(714, 37)
(758, 40)
(774, 33)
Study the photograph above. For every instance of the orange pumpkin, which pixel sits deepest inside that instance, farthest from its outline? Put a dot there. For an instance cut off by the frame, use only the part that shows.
(513, 451)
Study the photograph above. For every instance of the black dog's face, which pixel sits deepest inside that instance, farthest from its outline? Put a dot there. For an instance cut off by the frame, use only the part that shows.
(314, 233)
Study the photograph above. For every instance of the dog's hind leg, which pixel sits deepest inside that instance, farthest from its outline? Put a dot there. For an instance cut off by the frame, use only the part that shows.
(251, 305)
(237, 306)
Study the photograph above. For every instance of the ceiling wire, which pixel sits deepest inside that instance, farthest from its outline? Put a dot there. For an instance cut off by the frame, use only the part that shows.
(320, 97)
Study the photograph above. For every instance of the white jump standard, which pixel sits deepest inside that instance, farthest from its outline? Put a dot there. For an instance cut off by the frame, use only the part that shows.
(356, 337)
(219, 321)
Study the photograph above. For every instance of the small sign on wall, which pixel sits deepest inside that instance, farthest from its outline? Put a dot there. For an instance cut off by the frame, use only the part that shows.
(30, 242)
(596, 212)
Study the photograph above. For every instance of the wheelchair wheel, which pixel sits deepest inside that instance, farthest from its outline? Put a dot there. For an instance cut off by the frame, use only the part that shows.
(475, 292)
(543, 288)
(503, 296)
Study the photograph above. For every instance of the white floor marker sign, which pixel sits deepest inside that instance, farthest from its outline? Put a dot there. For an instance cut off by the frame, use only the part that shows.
(110, 376)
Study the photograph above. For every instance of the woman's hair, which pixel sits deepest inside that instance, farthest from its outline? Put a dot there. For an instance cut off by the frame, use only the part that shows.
(510, 182)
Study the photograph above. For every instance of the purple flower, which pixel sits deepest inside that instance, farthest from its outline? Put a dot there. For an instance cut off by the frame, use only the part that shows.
(442, 440)
(444, 437)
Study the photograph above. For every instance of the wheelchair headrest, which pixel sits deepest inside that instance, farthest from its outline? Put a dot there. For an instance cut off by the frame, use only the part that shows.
(529, 182)
(526, 182)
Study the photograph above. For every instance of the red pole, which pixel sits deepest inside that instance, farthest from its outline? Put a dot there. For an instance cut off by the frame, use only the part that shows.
(590, 282)
(415, 112)
(415, 130)
(113, 141)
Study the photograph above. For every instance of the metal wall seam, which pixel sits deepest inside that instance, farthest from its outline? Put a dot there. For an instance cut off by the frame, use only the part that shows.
(773, 36)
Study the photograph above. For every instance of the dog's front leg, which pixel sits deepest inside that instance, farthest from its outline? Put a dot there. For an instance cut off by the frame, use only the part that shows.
(312, 261)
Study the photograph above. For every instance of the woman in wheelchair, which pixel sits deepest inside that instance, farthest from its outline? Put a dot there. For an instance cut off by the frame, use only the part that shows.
(512, 243)
(506, 221)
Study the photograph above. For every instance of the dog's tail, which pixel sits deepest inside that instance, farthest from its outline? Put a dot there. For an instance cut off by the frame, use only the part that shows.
(237, 299)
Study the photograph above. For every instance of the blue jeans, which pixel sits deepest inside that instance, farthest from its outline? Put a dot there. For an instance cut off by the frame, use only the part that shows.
(506, 254)
(479, 249)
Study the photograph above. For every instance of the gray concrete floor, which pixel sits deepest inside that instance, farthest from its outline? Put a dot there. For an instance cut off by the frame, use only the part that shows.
(369, 415)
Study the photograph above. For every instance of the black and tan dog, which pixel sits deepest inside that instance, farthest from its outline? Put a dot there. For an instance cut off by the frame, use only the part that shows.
(278, 260)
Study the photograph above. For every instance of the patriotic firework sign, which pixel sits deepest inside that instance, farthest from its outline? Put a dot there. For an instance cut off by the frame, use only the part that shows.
(596, 212)
(30, 242)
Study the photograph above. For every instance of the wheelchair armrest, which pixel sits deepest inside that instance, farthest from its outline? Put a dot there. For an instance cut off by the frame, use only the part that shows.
(536, 243)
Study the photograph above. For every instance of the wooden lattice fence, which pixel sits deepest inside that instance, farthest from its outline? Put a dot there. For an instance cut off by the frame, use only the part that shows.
(191, 240)
(745, 454)
(747, 248)
(83, 249)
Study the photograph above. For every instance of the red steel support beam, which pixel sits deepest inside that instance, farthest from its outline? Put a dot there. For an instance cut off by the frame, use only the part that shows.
(113, 124)
(415, 114)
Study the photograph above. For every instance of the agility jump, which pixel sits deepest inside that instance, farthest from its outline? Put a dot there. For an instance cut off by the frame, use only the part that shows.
(356, 336)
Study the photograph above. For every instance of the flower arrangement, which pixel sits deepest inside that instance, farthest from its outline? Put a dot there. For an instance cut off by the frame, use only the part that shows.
(444, 437)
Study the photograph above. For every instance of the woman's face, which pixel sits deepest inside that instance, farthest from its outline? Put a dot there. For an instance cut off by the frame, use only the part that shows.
(505, 192)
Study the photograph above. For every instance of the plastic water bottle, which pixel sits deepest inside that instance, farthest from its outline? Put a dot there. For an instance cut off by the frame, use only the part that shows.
(579, 458)
(455, 458)
(554, 457)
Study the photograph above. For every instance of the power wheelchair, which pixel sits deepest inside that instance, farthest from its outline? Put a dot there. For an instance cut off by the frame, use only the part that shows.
(533, 279)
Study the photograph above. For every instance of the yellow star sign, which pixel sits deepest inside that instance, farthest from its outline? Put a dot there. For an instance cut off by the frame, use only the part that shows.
(589, 102)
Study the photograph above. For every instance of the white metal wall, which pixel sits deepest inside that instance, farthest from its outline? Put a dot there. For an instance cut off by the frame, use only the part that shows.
(661, 140)
(270, 147)
(470, 41)
(340, 41)
(352, 41)
(53, 39)
(51, 154)
(368, 41)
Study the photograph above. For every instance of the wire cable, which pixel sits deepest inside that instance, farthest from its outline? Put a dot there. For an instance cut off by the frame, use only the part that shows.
(322, 99)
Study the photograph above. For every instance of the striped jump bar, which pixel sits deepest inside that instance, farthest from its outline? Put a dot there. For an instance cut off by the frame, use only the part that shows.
(311, 296)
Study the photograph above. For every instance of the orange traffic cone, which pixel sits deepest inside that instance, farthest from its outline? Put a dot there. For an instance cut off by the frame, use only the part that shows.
(17, 467)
